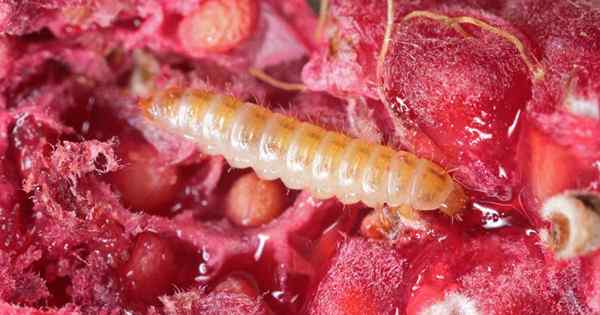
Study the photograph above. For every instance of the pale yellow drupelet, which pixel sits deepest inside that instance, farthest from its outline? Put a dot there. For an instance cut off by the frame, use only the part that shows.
(304, 156)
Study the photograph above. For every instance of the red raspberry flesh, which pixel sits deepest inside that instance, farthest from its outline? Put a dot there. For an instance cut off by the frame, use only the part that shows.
(364, 278)
(545, 154)
(571, 152)
(145, 182)
(151, 269)
(11, 227)
(465, 93)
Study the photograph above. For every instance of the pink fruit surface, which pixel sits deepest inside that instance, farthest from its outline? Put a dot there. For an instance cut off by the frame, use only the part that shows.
(571, 152)
(486, 273)
(465, 92)
(364, 278)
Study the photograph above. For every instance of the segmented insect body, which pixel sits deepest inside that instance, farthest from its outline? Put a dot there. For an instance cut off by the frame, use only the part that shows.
(304, 156)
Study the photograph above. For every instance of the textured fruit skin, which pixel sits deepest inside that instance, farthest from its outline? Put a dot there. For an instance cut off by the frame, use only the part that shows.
(353, 286)
(458, 98)
(506, 265)
(566, 36)
(345, 62)
(465, 93)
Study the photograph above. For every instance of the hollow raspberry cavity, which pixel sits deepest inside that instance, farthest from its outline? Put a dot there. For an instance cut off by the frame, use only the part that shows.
(145, 182)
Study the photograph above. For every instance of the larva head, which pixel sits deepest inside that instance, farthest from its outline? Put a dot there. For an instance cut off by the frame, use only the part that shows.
(574, 224)
(455, 203)
(434, 189)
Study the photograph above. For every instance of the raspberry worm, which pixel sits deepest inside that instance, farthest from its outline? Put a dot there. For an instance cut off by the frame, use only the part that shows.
(303, 155)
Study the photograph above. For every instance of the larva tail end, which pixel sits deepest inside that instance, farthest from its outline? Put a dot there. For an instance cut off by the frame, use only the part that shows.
(159, 102)
(455, 203)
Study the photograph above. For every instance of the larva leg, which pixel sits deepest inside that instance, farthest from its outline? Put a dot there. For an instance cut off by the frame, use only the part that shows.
(574, 224)
(388, 222)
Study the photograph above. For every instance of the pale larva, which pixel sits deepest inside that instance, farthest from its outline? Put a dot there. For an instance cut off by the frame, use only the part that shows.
(304, 156)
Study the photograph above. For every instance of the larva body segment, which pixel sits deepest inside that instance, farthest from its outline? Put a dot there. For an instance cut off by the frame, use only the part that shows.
(304, 156)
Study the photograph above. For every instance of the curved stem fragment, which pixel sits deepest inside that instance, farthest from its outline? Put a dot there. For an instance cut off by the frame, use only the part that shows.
(286, 86)
(528, 58)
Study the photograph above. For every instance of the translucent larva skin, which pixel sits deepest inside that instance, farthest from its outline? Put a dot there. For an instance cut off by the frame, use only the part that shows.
(304, 156)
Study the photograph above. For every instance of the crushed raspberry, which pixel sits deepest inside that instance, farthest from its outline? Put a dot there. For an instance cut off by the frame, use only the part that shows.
(468, 106)
(102, 211)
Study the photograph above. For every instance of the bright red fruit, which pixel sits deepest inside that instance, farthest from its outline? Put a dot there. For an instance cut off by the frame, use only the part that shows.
(465, 91)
